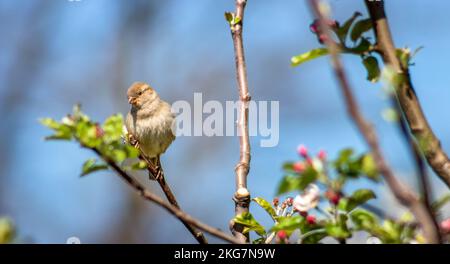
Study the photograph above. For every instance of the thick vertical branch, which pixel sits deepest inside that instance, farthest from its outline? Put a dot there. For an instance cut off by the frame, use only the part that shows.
(407, 98)
(242, 195)
(403, 194)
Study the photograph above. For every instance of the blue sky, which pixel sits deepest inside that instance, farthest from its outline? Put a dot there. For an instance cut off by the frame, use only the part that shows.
(185, 47)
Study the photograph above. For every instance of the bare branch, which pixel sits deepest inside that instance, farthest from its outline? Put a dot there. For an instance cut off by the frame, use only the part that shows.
(158, 174)
(406, 95)
(242, 195)
(177, 212)
(403, 194)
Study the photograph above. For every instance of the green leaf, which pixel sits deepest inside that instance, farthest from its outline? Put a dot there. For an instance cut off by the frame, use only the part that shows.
(343, 31)
(363, 219)
(249, 223)
(314, 236)
(363, 46)
(299, 182)
(229, 17)
(308, 176)
(288, 166)
(113, 128)
(62, 132)
(260, 240)
(289, 224)
(337, 231)
(358, 198)
(372, 68)
(266, 206)
(50, 123)
(6, 230)
(287, 184)
(441, 202)
(360, 27)
(140, 165)
(91, 166)
(307, 56)
(232, 18)
(86, 133)
(118, 155)
(369, 168)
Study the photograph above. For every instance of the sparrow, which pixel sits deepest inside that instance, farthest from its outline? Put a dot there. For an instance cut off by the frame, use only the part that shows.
(150, 121)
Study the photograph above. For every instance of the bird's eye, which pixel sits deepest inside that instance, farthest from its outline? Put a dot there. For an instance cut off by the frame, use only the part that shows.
(140, 92)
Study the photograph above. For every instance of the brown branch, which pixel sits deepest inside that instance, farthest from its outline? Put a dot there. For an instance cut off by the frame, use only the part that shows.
(403, 194)
(170, 196)
(242, 195)
(407, 98)
(426, 190)
(174, 210)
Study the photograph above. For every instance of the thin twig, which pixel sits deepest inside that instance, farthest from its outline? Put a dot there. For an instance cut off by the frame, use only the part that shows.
(403, 194)
(242, 195)
(407, 98)
(170, 196)
(177, 212)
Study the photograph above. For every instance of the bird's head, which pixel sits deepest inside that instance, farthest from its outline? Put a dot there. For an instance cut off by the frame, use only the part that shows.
(140, 94)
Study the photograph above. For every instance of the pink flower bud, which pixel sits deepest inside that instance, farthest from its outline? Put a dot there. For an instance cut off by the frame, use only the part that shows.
(314, 27)
(302, 151)
(322, 155)
(99, 131)
(275, 201)
(322, 38)
(445, 226)
(311, 219)
(282, 235)
(299, 167)
(289, 201)
(333, 196)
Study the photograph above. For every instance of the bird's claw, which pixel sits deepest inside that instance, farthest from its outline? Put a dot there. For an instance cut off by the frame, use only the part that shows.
(133, 141)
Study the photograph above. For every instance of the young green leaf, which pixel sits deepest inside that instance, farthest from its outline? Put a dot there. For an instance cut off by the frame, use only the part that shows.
(266, 206)
(363, 47)
(287, 184)
(358, 198)
(62, 132)
(372, 68)
(343, 30)
(6, 230)
(369, 168)
(337, 230)
(360, 28)
(91, 166)
(112, 128)
(249, 223)
(308, 176)
(289, 223)
(307, 56)
(363, 219)
(441, 202)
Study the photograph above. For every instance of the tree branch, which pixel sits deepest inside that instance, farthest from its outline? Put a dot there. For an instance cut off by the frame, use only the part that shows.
(403, 194)
(242, 195)
(177, 212)
(426, 191)
(407, 98)
(170, 196)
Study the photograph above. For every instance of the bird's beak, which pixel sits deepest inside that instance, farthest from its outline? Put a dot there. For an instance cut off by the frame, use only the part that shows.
(131, 100)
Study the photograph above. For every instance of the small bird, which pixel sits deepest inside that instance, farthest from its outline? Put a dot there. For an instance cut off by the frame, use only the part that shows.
(150, 121)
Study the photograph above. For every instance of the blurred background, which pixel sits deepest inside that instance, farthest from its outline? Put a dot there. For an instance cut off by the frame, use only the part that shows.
(54, 54)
